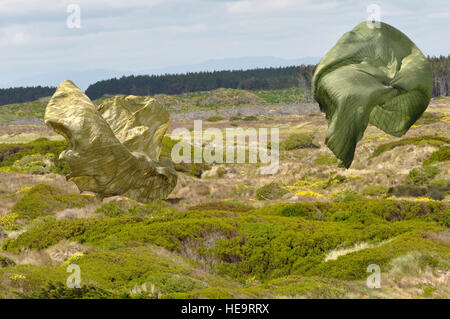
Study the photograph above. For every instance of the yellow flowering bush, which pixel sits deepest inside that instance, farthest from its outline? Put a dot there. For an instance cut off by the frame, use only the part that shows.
(308, 182)
(423, 198)
(8, 221)
(17, 277)
(73, 258)
(308, 193)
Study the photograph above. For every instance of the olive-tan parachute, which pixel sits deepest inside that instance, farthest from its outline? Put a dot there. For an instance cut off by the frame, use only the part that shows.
(114, 148)
(372, 75)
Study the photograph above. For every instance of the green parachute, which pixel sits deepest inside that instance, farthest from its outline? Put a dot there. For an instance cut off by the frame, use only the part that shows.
(114, 148)
(373, 75)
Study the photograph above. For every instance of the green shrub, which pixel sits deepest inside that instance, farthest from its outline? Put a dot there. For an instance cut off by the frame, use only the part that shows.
(306, 210)
(110, 209)
(6, 262)
(441, 155)
(175, 283)
(193, 169)
(229, 206)
(353, 266)
(408, 190)
(416, 140)
(34, 164)
(127, 207)
(167, 144)
(446, 219)
(443, 183)
(11, 153)
(296, 286)
(168, 230)
(346, 196)
(23, 111)
(359, 210)
(59, 290)
(206, 293)
(9, 222)
(40, 221)
(258, 245)
(421, 175)
(411, 264)
(235, 118)
(428, 291)
(325, 159)
(250, 118)
(282, 96)
(436, 192)
(270, 191)
(43, 199)
(430, 118)
(215, 118)
(376, 190)
(298, 141)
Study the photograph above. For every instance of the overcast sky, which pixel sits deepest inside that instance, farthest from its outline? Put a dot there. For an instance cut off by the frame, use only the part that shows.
(145, 34)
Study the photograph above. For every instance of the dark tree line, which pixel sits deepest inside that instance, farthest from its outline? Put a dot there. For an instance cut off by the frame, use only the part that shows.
(256, 79)
(441, 75)
(24, 94)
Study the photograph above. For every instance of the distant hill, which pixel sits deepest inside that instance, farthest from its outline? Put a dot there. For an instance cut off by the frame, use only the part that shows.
(24, 94)
(231, 64)
(282, 77)
(213, 100)
(83, 78)
(255, 79)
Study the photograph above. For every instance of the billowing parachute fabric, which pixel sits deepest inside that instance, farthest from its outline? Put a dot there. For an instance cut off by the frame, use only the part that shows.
(113, 149)
(372, 75)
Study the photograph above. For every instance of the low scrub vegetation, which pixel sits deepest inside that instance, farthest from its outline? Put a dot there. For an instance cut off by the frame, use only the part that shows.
(416, 140)
(215, 118)
(270, 191)
(42, 199)
(298, 141)
(325, 159)
(152, 251)
(33, 157)
(229, 206)
(441, 155)
(422, 175)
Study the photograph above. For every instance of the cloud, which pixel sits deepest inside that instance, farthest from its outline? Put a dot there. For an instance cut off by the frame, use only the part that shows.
(147, 34)
(257, 6)
(279, 6)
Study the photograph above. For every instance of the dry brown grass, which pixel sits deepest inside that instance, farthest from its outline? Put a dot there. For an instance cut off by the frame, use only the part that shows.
(82, 212)
(13, 182)
(64, 249)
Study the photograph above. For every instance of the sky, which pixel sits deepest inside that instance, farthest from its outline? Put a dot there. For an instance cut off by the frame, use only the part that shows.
(139, 35)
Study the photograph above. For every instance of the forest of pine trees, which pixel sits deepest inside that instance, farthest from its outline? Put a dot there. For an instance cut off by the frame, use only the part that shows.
(256, 79)
(24, 94)
(441, 75)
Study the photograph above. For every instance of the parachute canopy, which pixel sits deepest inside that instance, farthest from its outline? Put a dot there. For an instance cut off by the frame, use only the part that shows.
(372, 75)
(113, 149)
